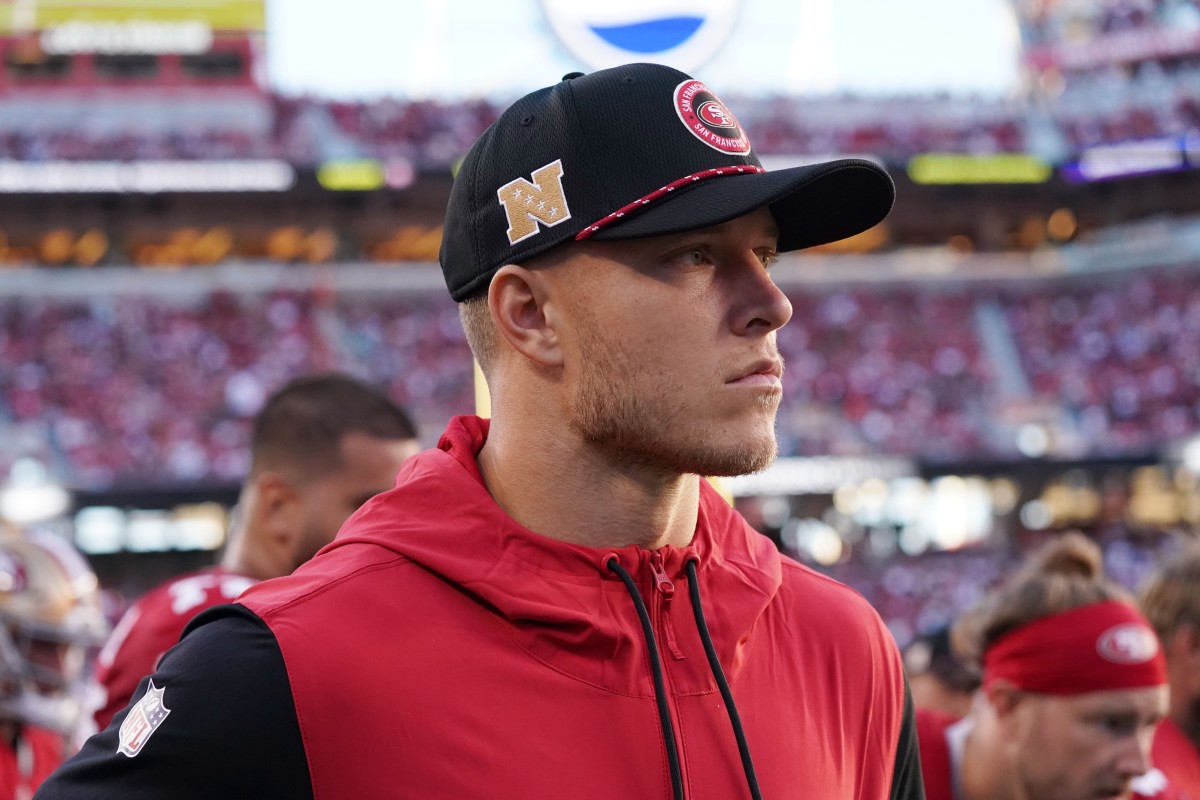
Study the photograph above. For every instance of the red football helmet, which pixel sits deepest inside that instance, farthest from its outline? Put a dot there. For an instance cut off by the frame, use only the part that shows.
(49, 616)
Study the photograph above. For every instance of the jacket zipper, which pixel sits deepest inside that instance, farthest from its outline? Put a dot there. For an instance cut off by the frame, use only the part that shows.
(664, 590)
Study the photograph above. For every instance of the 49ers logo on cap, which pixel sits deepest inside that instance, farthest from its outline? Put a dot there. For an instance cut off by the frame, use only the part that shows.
(708, 119)
(1130, 643)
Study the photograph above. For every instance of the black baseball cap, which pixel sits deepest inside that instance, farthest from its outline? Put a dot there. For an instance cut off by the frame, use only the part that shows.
(628, 152)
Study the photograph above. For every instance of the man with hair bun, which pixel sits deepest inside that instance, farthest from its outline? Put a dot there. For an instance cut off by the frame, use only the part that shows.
(1170, 600)
(1074, 685)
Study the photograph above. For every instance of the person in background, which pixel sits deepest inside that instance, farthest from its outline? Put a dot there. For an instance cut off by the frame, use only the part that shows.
(1074, 685)
(1170, 599)
(50, 618)
(938, 678)
(322, 445)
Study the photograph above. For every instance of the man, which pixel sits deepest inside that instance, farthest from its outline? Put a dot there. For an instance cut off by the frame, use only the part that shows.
(322, 445)
(1171, 601)
(49, 617)
(1074, 684)
(554, 604)
(938, 679)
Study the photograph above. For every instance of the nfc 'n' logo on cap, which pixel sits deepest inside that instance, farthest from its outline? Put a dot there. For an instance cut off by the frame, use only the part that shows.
(529, 204)
(1129, 643)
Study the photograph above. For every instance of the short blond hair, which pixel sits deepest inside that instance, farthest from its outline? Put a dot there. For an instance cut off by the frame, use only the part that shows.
(477, 324)
(1067, 573)
(1170, 598)
(476, 316)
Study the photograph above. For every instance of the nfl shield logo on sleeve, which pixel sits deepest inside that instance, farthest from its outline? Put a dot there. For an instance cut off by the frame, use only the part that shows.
(143, 720)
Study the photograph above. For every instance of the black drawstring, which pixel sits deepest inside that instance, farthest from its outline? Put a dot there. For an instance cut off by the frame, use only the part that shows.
(722, 684)
(660, 689)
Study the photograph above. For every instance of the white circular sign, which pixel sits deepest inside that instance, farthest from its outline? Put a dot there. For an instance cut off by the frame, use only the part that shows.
(678, 33)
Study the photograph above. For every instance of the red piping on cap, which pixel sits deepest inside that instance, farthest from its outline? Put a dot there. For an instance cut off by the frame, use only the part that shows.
(655, 195)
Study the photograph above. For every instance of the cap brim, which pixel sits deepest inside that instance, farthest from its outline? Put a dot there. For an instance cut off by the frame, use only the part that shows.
(812, 205)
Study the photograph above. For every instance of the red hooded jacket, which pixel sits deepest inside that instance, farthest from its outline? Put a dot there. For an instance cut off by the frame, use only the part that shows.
(22, 768)
(1177, 757)
(437, 649)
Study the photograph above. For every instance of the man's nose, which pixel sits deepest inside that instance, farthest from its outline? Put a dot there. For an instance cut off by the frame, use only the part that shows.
(764, 307)
(1134, 758)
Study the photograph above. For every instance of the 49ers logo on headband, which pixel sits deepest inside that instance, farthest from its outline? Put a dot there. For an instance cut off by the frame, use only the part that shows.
(1130, 643)
(708, 119)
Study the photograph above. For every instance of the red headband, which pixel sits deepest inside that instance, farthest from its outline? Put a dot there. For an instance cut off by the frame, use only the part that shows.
(1092, 648)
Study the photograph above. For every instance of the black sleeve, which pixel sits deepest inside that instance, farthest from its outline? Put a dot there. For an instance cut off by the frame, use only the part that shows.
(229, 729)
(907, 783)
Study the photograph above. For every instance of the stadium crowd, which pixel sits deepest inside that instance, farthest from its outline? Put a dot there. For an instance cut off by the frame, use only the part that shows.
(306, 131)
(127, 388)
(1114, 103)
(1119, 103)
(124, 390)
(82, 145)
(1050, 22)
(916, 595)
(1122, 357)
(861, 377)
(1114, 71)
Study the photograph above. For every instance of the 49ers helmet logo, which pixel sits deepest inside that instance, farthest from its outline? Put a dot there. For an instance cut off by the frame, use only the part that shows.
(1129, 643)
(708, 119)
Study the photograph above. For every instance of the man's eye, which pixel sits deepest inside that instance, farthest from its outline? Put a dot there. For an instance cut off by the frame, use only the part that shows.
(1120, 726)
(692, 258)
(768, 257)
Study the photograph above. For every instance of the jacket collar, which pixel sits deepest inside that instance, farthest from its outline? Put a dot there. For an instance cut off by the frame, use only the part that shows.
(567, 606)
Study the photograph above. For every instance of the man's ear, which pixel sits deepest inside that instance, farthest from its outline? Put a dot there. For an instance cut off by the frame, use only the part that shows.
(519, 301)
(1192, 638)
(1003, 697)
(1182, 646)
(276, 507)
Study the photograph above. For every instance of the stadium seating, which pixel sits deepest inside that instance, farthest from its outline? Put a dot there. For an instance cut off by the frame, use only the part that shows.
(125, 388)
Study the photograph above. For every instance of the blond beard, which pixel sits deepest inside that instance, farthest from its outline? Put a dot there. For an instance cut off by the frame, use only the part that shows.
(636, 429)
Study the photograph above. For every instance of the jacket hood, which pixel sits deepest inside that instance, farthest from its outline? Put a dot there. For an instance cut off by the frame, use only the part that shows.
(569, 607)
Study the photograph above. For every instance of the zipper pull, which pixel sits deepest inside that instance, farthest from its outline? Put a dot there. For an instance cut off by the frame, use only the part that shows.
(661, 581)
(667, 589)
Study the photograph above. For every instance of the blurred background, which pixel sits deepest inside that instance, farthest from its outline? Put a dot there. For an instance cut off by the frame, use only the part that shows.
(201, 200)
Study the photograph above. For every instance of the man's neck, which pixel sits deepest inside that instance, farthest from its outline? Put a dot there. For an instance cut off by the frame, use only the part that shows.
(564, 489)
(10, 731)
(984, 776)
(243, 557)
(1185, 714)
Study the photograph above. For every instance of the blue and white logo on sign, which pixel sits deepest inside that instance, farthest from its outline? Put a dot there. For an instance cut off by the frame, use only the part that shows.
(681, 33)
